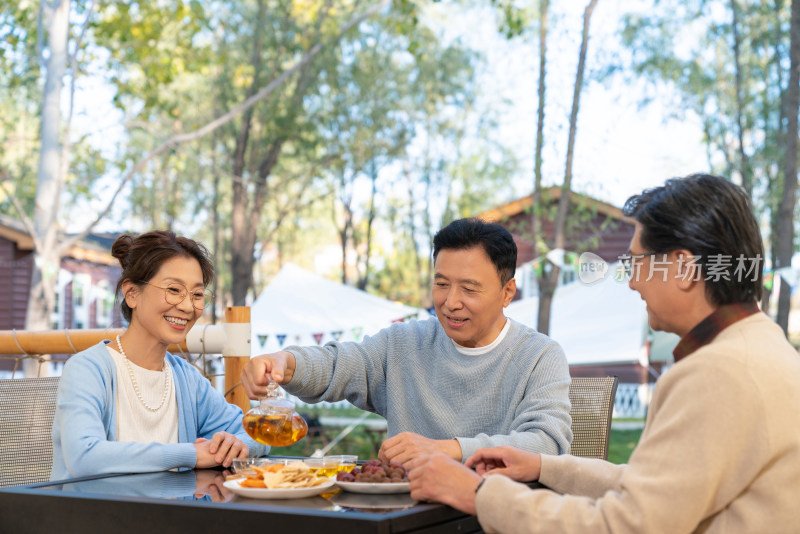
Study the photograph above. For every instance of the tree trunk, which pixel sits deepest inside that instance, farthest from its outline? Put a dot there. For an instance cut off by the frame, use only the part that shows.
(363, 280)
(776, 181)
(243, 237)
(785, 238)
(422, 287)
(49, 182)
(244, 226)
(551, 280)
(547, 290)
(536, 208)
(744, 165)
(344, 237)
(427, 272)
(242, 243)
(242, 246)
(215, 227)
(246, 222)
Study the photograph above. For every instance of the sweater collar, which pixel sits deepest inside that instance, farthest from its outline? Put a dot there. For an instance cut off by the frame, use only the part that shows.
(708, 328)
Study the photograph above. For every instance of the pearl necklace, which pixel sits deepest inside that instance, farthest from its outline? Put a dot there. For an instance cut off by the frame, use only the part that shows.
(136, 384)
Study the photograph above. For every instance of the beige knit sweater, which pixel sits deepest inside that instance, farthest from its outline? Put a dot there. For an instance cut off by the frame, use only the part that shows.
(720, 453)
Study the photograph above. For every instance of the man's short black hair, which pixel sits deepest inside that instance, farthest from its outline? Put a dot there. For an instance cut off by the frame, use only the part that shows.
(713, 219)
(464, 234)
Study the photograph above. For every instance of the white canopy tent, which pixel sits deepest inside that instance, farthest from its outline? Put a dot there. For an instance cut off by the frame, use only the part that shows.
(604, 322)
(301, 308)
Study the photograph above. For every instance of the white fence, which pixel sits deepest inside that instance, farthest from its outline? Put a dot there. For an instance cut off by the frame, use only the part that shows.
(631, 401)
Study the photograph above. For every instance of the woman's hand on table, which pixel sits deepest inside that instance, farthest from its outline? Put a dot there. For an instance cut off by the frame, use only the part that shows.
(439, 478)
(516, 464)
(258, 371)
(211, 483)
(221, 449)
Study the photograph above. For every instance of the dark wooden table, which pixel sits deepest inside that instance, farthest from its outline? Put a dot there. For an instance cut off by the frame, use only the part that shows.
(194, 502)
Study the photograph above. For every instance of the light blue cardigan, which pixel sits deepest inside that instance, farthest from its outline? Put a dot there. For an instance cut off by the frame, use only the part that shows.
(85, 423)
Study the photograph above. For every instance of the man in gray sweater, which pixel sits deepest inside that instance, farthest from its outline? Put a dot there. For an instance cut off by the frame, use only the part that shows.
(469, 379)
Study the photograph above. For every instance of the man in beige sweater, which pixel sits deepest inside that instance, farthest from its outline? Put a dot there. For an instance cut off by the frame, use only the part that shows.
(721, 448)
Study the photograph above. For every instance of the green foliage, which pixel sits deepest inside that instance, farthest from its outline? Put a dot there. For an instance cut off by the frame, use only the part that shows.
(360, 441)
(19, 94)
(387, 86)
(366, 443)
(151, 44)
(19, 58)
(689, 46)
(515, 17)
(399, 279)
(22, 46)
(388, 95)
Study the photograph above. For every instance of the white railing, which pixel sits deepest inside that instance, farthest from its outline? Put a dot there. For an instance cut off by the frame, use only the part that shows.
(337, 404)
(632, 400)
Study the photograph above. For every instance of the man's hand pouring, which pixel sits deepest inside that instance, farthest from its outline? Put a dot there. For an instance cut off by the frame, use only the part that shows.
(259, 371)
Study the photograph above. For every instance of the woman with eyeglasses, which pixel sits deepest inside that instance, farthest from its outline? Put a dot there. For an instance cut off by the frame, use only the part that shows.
(127, 405)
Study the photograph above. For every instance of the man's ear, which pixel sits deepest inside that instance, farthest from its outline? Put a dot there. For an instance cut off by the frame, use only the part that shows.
(688, 269)
(509, 290)
(129, 293)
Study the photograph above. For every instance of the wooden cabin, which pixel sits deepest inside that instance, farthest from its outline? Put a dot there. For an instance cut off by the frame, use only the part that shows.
(593, 226)
(85, 283)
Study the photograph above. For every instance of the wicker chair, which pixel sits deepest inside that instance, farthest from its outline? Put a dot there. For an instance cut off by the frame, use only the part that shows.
(592, 405)
(27, 406)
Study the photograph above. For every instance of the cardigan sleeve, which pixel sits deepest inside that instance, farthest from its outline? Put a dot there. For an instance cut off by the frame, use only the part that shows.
(572, 475)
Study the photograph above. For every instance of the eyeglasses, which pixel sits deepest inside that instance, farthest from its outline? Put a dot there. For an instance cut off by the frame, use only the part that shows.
(628, 261)
(175, 294)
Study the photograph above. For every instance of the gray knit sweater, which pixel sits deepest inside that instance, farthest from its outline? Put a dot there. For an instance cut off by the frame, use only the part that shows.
(412, 374)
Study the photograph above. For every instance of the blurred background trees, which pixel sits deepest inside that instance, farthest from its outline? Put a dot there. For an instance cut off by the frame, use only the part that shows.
(377, 125)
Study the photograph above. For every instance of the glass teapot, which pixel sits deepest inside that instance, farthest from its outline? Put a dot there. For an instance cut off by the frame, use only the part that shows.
(274, 421)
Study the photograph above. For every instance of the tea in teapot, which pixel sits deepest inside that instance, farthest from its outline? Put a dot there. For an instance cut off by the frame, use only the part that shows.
(274, 421)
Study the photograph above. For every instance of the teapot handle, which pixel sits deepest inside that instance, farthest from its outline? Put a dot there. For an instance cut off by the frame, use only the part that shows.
(272, 390)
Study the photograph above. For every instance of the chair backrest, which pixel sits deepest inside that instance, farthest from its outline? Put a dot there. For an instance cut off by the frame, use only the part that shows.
(27, 406)
(592, 405)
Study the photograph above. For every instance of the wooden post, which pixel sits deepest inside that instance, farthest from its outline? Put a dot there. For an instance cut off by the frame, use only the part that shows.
(236, 352)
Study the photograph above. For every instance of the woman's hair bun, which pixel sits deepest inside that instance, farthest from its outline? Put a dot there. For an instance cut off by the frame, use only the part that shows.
(121, 248)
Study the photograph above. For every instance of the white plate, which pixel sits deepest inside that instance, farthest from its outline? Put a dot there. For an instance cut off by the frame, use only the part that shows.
(374, 487)
(277, 493)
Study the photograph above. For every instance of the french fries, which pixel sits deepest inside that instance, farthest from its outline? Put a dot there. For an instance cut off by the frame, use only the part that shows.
(291, 475)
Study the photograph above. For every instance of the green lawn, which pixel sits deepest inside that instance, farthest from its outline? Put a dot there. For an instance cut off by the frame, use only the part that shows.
(360, 441)
(621, 444)
(366, 444)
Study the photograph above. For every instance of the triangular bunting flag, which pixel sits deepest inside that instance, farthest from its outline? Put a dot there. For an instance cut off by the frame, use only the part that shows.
(281, 339)
(318, 336)
(337, 334)
(262, 339)
(400, 320)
